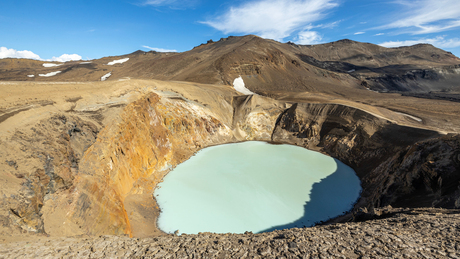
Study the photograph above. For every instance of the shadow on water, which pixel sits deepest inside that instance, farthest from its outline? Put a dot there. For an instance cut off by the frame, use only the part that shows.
(329, 198)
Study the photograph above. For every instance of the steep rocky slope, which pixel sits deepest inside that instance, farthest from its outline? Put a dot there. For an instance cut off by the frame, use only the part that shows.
(398, 166)
(420, 70)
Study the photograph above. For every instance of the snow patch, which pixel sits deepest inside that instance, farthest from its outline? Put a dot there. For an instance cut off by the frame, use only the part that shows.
(50, 74)
(238, 84)
(410, 116)
(51, 65)
(373, 90)
(81, 63)
(30, 75)
(119, 61)
(351, 71)
(104, 77)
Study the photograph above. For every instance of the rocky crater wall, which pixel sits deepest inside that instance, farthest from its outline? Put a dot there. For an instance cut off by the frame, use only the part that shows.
(397, 165)
(111, 181)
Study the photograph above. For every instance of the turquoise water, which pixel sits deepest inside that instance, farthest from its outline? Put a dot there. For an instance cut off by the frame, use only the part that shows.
(254, 186)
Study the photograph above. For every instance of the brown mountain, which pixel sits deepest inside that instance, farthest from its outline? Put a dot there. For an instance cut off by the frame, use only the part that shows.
(270, 66)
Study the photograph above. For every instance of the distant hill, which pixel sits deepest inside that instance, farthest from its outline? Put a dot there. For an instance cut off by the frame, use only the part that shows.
(267, 66)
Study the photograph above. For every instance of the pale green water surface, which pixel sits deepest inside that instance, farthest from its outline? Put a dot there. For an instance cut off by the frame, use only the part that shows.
(254, 186)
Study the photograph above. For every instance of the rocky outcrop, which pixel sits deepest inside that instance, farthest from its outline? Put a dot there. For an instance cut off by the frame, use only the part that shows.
(356, 137)
(254, 117)
(398, 166)
(425, 174)
(414, 81)
(49, 154)
(409, 79)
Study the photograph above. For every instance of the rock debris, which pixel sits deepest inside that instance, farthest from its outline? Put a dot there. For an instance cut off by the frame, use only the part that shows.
(427, 233)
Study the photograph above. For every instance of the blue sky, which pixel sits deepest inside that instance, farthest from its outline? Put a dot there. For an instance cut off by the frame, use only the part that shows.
(62, 30)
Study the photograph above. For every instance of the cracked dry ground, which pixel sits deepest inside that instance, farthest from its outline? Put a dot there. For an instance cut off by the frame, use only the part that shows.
(424, 233)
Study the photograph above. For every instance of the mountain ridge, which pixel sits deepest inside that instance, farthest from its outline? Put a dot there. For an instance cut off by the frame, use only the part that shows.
(268, 66)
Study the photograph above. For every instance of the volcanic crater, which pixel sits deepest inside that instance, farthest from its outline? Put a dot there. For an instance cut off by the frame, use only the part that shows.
(81, 157)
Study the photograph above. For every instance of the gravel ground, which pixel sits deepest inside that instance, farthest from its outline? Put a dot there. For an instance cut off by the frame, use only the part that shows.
(404, 234)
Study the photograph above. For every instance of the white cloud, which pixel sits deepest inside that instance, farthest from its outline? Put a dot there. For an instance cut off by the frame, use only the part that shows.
(439, 42)
(65, 58)
(425, 29)
(329, 25)
(379, 34)
(322, 26)
(359, 32)
(171, 3)
(308, 38)
(427, 16)
(159, 49)
(158, 2)
(12, 53)
(274, 19)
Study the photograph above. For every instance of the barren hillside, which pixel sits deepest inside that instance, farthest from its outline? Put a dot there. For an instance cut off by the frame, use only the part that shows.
(268, 66)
